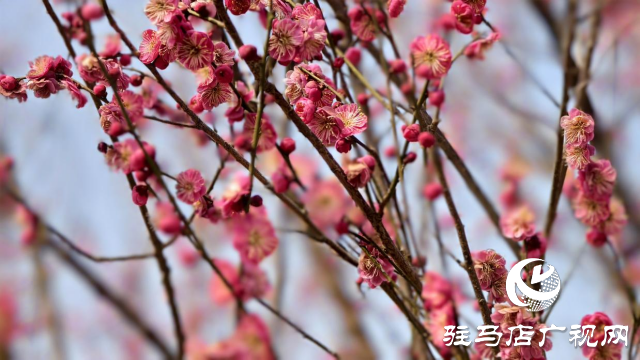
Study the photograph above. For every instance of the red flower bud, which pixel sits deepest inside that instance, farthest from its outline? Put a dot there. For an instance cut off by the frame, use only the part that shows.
(411, 132)
(136, 80)
(140, 194)
(100, 90)
(224, 74)
(426, 139)
(91, 11)
(343, 146)
(353, 55)
(436, 98)
(432, 191)
(256, 201)
(411, 157)
(248, 52)
(287, 145)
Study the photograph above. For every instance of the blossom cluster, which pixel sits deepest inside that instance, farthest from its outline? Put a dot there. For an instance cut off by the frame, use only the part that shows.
(592, 198)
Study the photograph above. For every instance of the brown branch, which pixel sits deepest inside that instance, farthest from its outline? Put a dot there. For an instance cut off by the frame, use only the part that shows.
(560, 167)
(464, 243)
(157, 244)
(107, 294)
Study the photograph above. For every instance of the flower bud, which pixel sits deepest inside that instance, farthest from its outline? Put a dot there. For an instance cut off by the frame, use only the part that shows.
(100, 90)
(596, 238)
(436, 98)
(338, 62)
(411, 132)
(353, 55)
(256, 201)
(362, 98)
(426, 139)
(8, 82)
(342, 227)
(288, 145)
(140, 194)
(411, 157)
(136, 80)
(224, 74)
(432, 191)
(397, 66)
(369, 161)
(91, 11)
(343, 146)
(248, 52)
(337, 35)
(390, 151)
(103, 147)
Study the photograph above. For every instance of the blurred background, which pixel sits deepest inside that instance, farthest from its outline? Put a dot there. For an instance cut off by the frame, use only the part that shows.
(495, 115)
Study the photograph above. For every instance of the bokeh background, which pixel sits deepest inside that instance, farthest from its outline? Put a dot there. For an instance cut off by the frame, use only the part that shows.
(494, 114)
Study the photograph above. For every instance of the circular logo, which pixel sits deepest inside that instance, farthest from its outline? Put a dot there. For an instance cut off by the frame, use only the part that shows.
(534, 300)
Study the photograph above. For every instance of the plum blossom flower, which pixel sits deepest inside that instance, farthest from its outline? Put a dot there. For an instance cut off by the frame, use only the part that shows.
(506, 316)
(535, 246)
(477, 5)
(590, 211)
(79, 97)
(354, 121)
(327, 128)
(285, 38)
(253, 333)
(358, 174)
(578, 127)
(190, 186)
(112, 46)
(437, 292)
(45, 74)
(268, 135)
(306, 109)
(206, 209)
(518, 223)
(13, 88)
(326, 202)
(362, 22)
(222, 55)
(212, 94)
(578, 156)
(477, 49)
(195, 50)
(464, 16)
(395, 7)
(171, 32)
(149, 47)
(615, 223)
(298, 85)
(120, 156)
(250, 283)
(112, 113)
(597, 179)
(431, 56)
(254, 236)
(234, 197)
(166, 219)
(307, 11)
(313, 39)
(489, 267)
(238, 7)
(610, 351)
(159, 11)
(374, 269)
